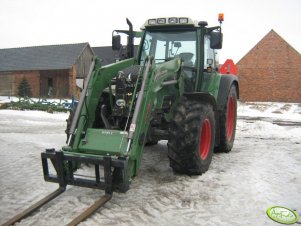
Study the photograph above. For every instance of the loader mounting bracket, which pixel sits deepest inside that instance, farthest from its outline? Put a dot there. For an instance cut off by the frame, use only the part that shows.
(64, 166)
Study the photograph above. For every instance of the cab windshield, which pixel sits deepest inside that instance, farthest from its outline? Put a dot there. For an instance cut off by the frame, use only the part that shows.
(164, 46)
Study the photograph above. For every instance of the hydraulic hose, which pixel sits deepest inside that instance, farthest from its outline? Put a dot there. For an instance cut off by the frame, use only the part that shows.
(139, 101)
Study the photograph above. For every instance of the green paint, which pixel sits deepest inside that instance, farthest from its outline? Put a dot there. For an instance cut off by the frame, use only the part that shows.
(103, 142)
(101, 79)
(211, 83)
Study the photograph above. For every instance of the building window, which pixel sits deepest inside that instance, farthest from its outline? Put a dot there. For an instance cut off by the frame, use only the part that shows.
(50, 86)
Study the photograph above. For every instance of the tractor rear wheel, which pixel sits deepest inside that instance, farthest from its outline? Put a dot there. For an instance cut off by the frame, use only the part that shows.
(192, 136)
(228, 122)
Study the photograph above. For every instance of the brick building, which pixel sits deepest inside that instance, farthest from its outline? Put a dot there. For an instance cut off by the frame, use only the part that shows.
(51, 70)
(270, 71)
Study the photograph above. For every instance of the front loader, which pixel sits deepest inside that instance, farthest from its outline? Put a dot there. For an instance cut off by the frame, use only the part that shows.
(171, 91)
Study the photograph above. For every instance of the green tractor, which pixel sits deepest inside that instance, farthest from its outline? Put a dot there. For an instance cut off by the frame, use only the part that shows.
(171, 91)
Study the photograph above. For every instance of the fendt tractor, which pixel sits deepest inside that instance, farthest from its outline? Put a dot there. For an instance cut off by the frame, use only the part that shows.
(172, 90)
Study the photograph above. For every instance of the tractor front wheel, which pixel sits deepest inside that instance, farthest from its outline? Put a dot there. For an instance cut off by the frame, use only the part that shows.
(192, 136)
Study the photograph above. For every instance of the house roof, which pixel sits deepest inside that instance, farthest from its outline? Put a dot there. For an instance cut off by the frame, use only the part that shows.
(272, 50)
(51, 57)
(107, 55)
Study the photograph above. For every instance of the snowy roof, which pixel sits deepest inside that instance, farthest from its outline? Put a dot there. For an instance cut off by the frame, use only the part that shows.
(49, 57)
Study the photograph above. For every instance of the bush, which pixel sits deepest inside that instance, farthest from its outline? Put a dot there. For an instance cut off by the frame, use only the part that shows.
(24, 89)
(26, 103)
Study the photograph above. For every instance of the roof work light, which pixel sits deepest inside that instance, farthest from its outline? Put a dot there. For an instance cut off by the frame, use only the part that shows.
(220, 17)
(169, 21)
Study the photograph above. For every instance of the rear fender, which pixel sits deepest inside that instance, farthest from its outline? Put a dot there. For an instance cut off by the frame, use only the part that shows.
(224, 88)
(225, 84)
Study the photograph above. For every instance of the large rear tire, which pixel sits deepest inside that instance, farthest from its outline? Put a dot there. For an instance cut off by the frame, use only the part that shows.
(228, 122)
(192, 136)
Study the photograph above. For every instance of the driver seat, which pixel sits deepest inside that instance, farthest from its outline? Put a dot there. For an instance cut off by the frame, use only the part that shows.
(186, 56)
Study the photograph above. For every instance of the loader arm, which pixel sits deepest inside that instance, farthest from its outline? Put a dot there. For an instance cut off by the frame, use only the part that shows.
(100, 79)
(159, 81)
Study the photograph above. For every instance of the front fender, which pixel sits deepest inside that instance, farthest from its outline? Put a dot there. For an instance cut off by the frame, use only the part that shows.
(202, 97)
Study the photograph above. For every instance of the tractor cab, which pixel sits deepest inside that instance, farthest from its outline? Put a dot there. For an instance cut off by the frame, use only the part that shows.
(180, 37)
(192, 41)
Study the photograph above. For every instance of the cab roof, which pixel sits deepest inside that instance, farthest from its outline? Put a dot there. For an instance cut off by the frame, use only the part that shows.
(169, 21)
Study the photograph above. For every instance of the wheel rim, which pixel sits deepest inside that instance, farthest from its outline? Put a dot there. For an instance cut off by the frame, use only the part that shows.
(205, 139)
(230, 118)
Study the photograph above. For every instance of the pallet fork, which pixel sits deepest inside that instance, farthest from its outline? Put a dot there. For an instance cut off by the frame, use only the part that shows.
(59, 159)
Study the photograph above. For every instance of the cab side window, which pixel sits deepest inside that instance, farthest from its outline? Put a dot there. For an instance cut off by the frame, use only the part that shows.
(210, 55)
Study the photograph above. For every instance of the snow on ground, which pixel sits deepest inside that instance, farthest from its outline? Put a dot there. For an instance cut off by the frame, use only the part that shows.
(262, 170)
(8, 99)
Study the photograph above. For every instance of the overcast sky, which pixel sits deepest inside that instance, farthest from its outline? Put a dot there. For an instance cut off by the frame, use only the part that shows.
(45, 22)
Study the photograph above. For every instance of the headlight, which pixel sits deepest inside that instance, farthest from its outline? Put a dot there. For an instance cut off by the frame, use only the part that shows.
(173, 20)
(120, 103)
(161, 21)
(183, 20)
(152, 21)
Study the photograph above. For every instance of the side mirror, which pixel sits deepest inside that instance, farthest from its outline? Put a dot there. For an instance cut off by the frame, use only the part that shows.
(216, 40)
(116, 43)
